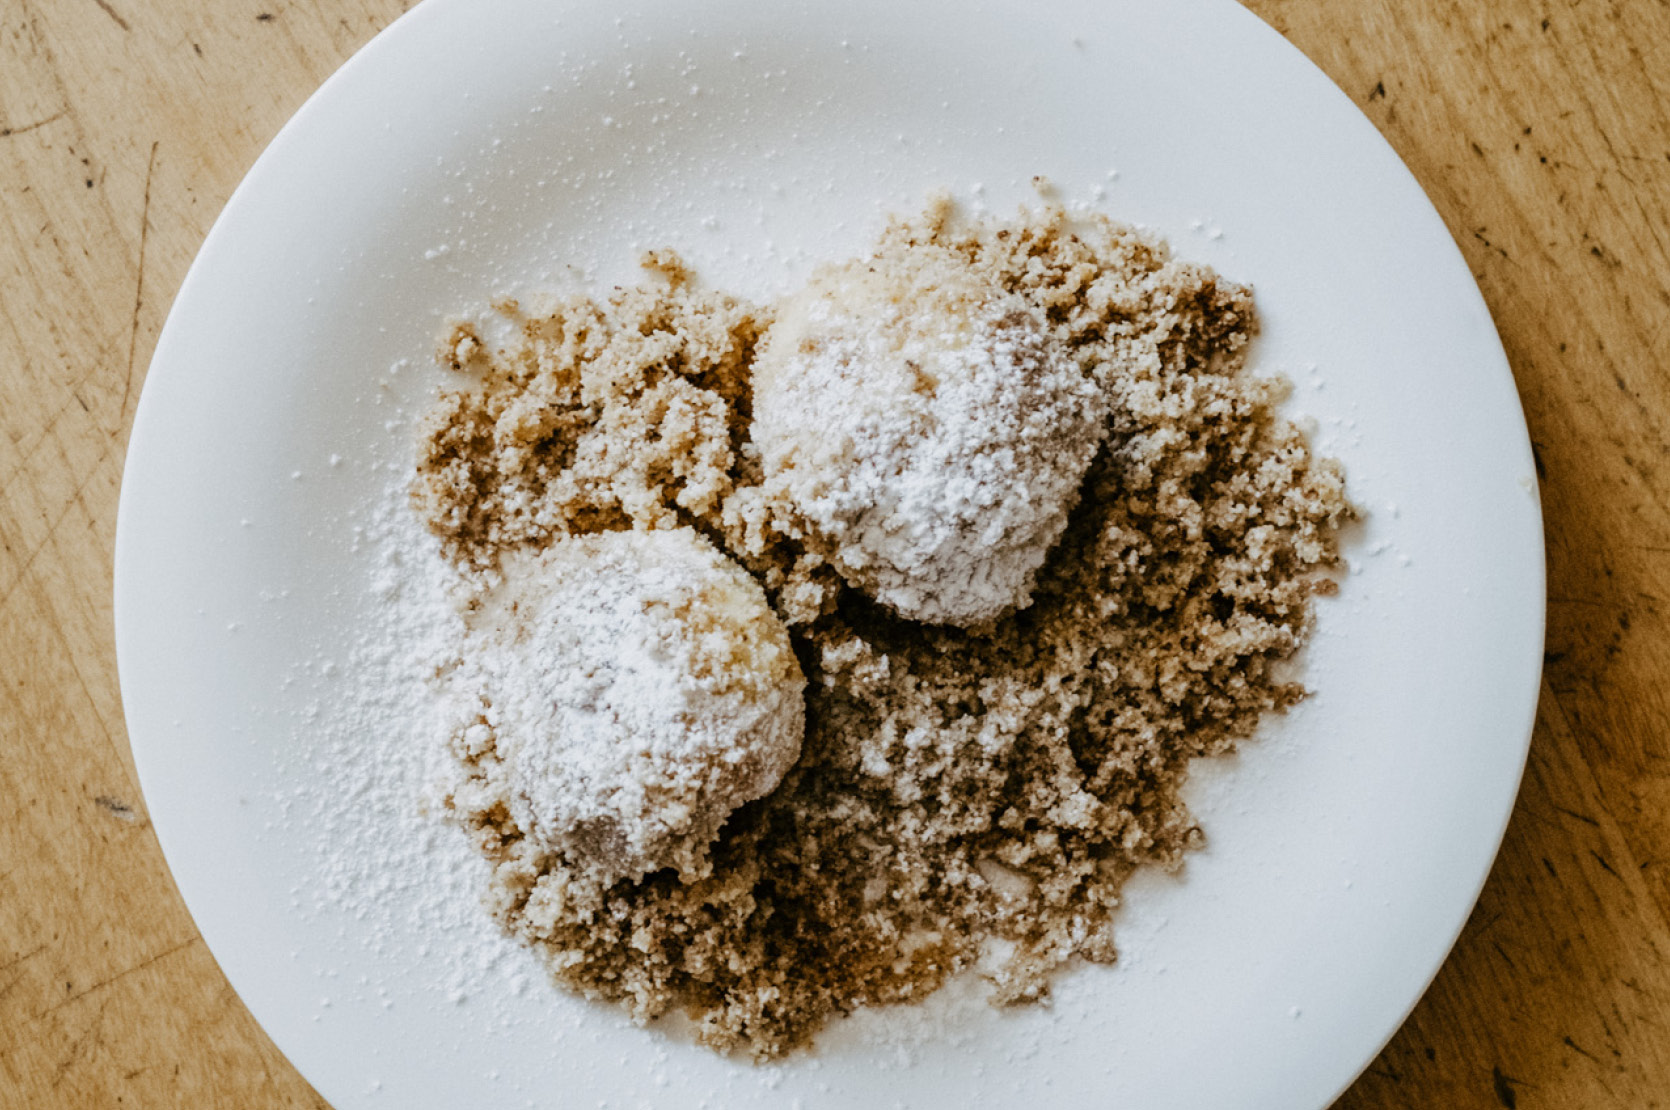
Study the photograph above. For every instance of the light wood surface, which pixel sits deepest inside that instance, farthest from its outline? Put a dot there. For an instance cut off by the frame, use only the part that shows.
(1541, 129)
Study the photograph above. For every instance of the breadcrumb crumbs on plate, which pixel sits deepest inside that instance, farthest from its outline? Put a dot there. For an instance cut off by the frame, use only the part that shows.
(960, 793)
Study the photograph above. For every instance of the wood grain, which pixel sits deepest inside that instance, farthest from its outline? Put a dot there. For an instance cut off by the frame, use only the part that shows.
(1542, 133)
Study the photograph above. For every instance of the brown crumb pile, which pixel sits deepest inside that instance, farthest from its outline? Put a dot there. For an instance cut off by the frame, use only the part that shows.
(960, 793)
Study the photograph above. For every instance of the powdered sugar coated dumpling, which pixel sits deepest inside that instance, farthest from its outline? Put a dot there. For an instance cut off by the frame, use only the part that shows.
(638, 689)
(928, 429)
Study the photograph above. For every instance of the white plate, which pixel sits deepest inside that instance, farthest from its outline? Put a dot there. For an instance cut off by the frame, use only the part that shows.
(476, 148)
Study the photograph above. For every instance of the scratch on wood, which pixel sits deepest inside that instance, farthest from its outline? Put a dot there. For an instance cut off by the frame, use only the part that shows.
(1503, 1086)
(117, 808)
(139, 283)
(10, 983)
(7, 132)
(15, 961)
(22, 573)
(81, 1048)
(102, 983)
(104, 5)
(29, 955)
(1579, 1049)
(1484, 926)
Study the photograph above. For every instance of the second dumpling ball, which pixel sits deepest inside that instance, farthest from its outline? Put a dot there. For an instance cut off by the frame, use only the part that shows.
(929, 428)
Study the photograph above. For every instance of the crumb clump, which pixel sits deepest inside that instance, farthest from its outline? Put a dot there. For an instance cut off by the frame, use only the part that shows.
(929, 430)
(630, 690)
(961, 792)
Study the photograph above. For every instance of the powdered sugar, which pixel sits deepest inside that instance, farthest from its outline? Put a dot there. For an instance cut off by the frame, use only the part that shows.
(380, 857)
(624, 693)
(930, 429)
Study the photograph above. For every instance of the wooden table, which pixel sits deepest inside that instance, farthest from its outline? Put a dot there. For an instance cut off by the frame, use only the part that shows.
(1541, 129)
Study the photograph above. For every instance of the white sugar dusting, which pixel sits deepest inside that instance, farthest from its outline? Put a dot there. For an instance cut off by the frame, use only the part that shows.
(625, 693)
(410, 886)
(929, 427)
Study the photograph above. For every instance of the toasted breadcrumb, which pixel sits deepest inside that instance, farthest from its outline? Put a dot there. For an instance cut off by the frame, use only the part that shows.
(955, 786)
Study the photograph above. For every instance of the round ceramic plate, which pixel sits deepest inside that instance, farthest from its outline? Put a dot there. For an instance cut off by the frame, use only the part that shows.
(477, 149)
